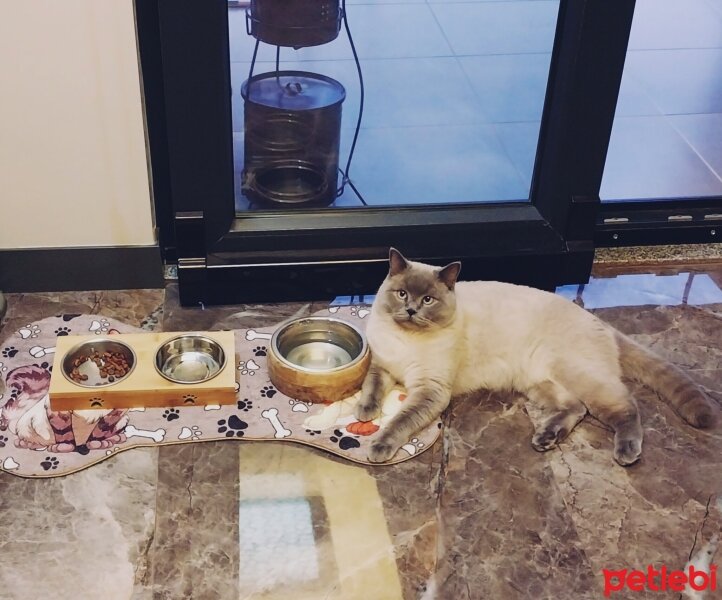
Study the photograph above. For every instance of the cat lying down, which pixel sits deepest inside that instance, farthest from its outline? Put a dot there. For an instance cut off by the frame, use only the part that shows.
(439, 338)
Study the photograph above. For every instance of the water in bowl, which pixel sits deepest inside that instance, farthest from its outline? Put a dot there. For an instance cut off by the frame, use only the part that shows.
(319, 356)
(190, 367)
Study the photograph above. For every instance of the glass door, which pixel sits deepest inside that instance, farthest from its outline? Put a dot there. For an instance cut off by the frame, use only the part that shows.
(667, 137)
(663, 175)
(452, 95)
(482, 138)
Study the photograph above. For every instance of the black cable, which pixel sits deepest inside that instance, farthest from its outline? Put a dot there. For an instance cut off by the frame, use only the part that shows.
(360, 197)
(353, 187)
(253, 63)
(278, 62)
(347, 176)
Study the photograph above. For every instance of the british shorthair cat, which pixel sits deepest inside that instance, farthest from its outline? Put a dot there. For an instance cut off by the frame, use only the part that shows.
(439, 338)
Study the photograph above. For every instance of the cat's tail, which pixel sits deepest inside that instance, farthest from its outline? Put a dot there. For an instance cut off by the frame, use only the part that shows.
(680, 392)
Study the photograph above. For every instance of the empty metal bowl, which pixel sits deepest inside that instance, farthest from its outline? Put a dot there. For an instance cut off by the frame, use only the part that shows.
(190, 359)
(97, 349)
(318, 359)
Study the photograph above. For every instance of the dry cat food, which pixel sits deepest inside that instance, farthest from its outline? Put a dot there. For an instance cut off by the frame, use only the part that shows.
(111, 365)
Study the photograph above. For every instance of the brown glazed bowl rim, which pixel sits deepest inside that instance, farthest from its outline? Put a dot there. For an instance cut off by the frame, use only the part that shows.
(281, 329)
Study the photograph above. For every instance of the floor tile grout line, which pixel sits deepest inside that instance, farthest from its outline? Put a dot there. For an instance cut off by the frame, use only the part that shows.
(692, 146)
(390, 58)
(524, 182)
(716, 8)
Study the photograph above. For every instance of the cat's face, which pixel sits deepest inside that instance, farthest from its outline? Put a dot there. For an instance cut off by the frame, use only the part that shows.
(419, 296)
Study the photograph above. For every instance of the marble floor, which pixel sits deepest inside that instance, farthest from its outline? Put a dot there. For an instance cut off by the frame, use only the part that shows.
(480, 515)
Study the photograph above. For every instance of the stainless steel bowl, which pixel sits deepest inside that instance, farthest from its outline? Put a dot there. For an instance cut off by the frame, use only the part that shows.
(190, 359)
(318, 344)
(92, 370)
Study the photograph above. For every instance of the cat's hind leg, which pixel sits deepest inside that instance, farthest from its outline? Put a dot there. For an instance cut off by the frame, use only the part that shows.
(376, 385)
(108, 430)
(560, 411)
(611, 403)
(62, 425)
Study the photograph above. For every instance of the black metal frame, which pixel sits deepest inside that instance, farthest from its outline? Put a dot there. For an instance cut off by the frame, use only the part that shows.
(151, 66)
(266, 256)
(662, 221)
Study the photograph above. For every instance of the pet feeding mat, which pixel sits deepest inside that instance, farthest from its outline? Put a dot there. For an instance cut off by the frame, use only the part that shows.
(260, 413)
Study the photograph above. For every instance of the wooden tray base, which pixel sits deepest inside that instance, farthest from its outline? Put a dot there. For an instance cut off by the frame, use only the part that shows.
(144, 386)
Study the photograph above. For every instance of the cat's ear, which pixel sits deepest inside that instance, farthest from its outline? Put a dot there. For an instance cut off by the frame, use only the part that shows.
(449, 274)
(397, 262)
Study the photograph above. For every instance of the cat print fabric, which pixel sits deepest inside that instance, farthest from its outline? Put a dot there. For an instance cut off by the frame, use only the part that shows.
(36, 441)
(438, 339)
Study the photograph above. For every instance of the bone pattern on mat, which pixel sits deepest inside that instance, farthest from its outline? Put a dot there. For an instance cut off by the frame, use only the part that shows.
(260, 412)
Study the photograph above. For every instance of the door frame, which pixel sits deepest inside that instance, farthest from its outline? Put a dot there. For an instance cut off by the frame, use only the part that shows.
(317, 253)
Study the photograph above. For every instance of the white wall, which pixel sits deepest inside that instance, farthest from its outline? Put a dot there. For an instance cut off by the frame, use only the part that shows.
(73, 168)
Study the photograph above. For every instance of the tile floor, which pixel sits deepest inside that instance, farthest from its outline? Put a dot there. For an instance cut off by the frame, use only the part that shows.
(454, 98)
(480, 515)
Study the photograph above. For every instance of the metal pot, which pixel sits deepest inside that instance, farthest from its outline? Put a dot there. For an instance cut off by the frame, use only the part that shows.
(292, 121)
(294, 23)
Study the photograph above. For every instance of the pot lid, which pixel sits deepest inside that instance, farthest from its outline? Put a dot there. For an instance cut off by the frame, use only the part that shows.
(293, 90)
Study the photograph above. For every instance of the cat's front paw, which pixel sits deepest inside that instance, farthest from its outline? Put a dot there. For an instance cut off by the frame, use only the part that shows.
(381, 451)
(367, 411)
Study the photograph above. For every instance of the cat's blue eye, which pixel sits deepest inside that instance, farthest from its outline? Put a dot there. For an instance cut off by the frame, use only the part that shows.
(401, 294)
(428, 300)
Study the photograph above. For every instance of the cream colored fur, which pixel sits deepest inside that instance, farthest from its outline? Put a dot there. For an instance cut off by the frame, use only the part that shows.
(502, 337)
(465, 336)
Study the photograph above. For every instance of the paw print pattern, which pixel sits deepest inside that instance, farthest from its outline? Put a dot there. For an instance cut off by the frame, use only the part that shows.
(70, 317)
(189, 399)
(99, 326)
(248, 367)
(3, 441)
(360, 312)
(190, 433)
(260, 350)
(96, 402)
(344, 442)
(3, 367)
(62, 331)
(298, 406)
(268, 391)
(49, 463)
(313, 432)
(171, 414)
(245, 405)
(233, 427)
(9, 352)
(44, 365)
(29, 331)
(413, 446)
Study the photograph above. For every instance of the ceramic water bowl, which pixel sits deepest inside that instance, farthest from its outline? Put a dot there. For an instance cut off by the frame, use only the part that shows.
(318, 359)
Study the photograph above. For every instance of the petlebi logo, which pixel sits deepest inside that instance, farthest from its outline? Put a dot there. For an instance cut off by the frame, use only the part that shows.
(661, 580)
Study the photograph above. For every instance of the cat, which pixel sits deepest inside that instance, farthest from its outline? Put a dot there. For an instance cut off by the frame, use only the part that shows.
(439, 339)
(27, 414)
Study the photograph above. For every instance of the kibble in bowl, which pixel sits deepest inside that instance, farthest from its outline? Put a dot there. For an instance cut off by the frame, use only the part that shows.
(98, 363)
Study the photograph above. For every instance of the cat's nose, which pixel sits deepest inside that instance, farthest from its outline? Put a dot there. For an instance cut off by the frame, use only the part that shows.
(411, 312)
